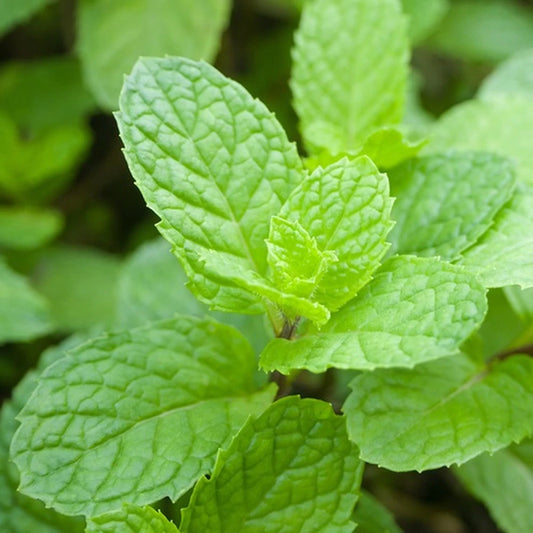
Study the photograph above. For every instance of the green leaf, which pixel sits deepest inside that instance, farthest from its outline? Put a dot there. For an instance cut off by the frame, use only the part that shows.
(112, 35)
(292, 469)
(514, 77)
(504, 255)
(80, 285)
(441, 412)
(445, 202)
(388, 147)
(521, 301)
(26, 228)
(488, 31)
(131, 519)
(349, 72)
(135, 416)
(24, 314)
(16, 12)
(35, 169)
(371, 516)
(416, 309)
(44, 94)
(18, 513)
(504, 126)
(504, 483)
(296, 262)
(151, 286)
(424, 16)
(346, 208)
(213, 163)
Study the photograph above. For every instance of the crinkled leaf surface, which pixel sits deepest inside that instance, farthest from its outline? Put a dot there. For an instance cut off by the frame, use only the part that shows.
(293, 469)
(15, 12)
(297, 264)
(512, 77)
(371, 516)
(213, 163)
(349, 71)
(441, 412)
(504, 126)
(504, 483)
(18, 513)
(79, 284)
(415, 309)
(131, 519)
(424, 16)
(44, 93)
(136, 415)
(26, 228)
(24, 315)
(346, 208)
(112, 35)
(445, 202)
(487, 31)
(151, 286)
(504, 255)
(388, 147)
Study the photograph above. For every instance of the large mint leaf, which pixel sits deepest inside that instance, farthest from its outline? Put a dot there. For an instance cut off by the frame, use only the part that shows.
(18, 513)
(26, 228)
(490, 126)
(131, 519)
(513, 77)
(441, 412)
(24, 314)
(135, 416)
(504, 255)
(213, 163)
(292, 469)
(13, 13)
(112, 35)
(416, 309)
(445, 202)
(504, 483)
(346, 208)
(487, 31)
(349, 72)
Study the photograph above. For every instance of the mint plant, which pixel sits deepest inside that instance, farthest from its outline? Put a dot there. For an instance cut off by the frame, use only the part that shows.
(368, 257)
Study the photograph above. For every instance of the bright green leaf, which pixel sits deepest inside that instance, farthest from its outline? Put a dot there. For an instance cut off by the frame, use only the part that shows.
(80, 285)
(157, 401)
(296, 262)
(514, 77)
(292, 469)
(445, 202)
(424, 16)
(24, 314)
(521, 301)
(346, 208)
(504, 483)
(44, 94)
(388, 147)
(131, 519)
(488, 30)
(416, 309)
(213, 163)
(13, 12)
(371, 516)
(112, 35)
(441, 412)
(18, 513)
(504, 255)
(504, 126)
(349, 73)
(25, 228)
